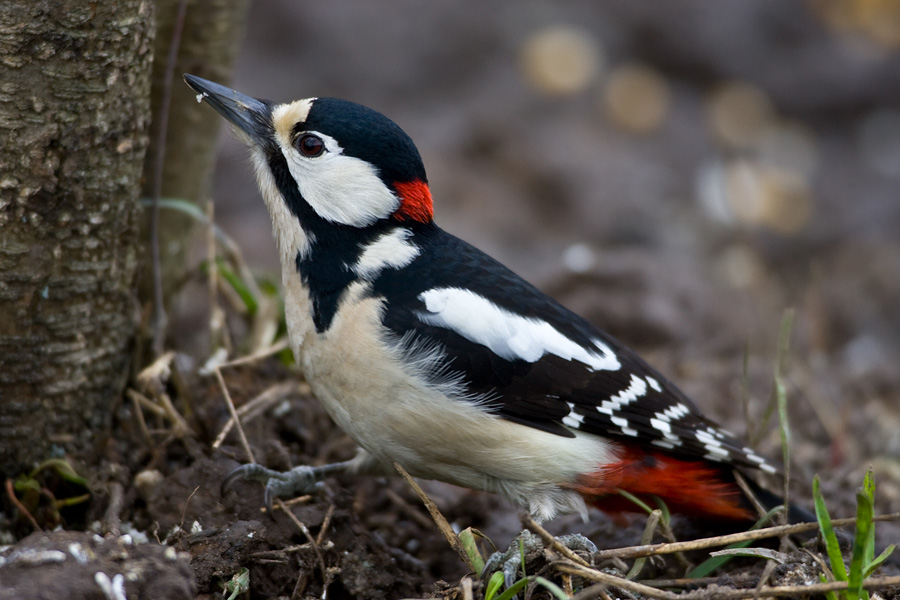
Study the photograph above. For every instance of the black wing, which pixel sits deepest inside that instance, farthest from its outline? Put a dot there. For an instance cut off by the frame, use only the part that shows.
(632, 402)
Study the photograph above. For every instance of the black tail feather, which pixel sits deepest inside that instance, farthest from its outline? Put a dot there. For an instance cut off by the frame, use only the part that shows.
(769, 500)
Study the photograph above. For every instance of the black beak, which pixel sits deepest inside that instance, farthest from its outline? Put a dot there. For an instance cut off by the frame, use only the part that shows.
(251, 116)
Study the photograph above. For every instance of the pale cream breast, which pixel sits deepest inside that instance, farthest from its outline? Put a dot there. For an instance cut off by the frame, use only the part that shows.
(393, 412)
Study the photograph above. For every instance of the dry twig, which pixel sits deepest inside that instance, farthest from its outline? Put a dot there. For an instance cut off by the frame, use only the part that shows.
(550, 541)
(250, 358)
(408, 509)
(269, 397)
(111, 520)
(716, 591)
(724, 540)
(11, 493)
(439, 519)
(234, 415)
(306, 533)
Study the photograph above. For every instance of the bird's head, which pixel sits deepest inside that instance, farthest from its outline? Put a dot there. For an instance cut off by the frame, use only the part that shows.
(331, 163)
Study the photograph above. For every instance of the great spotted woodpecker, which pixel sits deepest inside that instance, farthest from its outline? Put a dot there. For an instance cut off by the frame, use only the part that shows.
(430, 353)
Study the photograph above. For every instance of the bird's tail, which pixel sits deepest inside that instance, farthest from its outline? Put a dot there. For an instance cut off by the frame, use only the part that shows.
(769, 500)
(690, 487)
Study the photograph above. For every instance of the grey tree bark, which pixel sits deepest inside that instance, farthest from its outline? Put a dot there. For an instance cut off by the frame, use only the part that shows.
(74, 117)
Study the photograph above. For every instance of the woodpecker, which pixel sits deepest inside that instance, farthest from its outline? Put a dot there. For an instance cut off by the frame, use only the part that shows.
(431, 354)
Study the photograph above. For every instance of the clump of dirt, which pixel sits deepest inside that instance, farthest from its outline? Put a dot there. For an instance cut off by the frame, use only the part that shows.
(78, 564)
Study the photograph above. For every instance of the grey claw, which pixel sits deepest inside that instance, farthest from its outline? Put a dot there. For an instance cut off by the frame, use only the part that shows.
(509, 562)
(576, 541)
(299, 480)
(251, 472)
(511, 570)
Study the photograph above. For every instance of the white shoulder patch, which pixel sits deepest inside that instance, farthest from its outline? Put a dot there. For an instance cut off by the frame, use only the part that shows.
(391, 250)
(508, 335)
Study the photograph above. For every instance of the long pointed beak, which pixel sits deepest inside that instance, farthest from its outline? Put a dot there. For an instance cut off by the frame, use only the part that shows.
(249, 115)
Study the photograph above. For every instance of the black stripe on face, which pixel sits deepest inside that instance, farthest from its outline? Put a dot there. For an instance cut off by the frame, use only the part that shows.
(368, 135)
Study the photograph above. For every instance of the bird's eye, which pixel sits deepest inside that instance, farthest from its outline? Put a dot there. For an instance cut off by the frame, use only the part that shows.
(310, 145)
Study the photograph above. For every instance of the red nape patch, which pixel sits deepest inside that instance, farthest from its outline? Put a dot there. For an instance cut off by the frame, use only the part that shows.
(693, 488)
(415, 201)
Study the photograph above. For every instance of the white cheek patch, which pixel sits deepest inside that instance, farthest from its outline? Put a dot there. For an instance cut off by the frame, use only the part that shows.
(340, 188)
(391, 250)
(508, 335)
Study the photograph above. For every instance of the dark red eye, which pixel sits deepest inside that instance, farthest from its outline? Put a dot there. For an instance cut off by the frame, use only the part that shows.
(310, 145)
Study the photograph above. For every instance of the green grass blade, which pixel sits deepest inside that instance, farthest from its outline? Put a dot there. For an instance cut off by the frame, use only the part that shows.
(877, 562)
(828, 595)
(512, 590)
(237, 284)
(63, 469)
(522, 555)
(551, 587)
(493, 585)
(663, 509)
(864, 532)
(470, 547)
(646, 538)
(784, 340)
(825, 527)
(714, 562)
(869, 491)
(632, 498)
(520, 584)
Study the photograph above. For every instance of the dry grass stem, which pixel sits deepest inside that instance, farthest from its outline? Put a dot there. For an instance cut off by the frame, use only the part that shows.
(466, 589)
(288, 503)
(111, 521)
(260, 404)
(439, 519)
(257, 356)
(234, 416)
(598, 590)
(550, 541)
(724, 540)
(139, 414)
(408, 509)
(717, 592)
(306, 533)
(143, 402)
(280, 554)
(326, 523)
(154, 375)
(695, 581)
(748, 493)
(11, 494)
(152, 382)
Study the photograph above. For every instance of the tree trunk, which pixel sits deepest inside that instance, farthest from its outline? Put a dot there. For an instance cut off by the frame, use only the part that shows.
(74, 117)
(211, 36)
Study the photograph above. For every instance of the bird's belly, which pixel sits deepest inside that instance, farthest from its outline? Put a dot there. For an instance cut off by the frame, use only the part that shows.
(395, 414)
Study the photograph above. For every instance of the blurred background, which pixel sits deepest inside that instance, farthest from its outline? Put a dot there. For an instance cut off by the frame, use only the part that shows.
(679, 173)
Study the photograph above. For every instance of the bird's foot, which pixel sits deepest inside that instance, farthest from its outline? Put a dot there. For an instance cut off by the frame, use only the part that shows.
(298, 481)
(510, 561)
